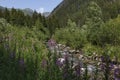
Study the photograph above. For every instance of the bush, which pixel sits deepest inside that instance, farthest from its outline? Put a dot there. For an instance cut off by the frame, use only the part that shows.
(71, 36)
(89, 49)
(110, 32)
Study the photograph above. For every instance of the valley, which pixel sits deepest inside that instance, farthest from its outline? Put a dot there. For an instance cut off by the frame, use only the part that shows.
(78, 40)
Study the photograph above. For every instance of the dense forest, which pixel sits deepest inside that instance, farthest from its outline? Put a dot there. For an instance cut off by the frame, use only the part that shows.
(29, 19)
(79, 40)
(77, 9)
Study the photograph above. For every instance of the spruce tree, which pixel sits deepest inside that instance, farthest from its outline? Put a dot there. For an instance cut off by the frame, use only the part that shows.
(6, 14)
(1, 14)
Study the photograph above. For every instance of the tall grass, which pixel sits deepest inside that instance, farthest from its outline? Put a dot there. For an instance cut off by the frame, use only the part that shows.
(15, 66)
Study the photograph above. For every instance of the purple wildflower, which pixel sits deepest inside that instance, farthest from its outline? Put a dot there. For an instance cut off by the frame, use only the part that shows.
(66, 68)
(105, 58)
(117, 74)
(21, 65)
(44, 63)
(102, 58)
(78, 70)
(21, 62)
(51, 43)
(60, 62)
(103, 66)
(111, 66)
(65, 73)
(66, 56)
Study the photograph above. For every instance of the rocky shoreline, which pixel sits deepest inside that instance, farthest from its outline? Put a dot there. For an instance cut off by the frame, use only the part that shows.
(77, 58)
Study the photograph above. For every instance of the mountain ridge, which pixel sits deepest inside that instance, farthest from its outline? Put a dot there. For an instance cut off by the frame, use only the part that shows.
(26, 11)
(76, 10)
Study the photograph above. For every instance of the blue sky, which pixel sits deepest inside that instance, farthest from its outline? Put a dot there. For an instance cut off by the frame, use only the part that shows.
(39, 5)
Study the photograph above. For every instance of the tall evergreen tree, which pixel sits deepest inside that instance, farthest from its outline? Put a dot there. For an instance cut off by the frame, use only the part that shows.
(34, 17)
(13, 16)
(52, 24)
(6, 14)
(28, 21)
(20, 20)
(1, 14)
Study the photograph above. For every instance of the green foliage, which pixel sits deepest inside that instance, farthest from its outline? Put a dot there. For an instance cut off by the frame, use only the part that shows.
(106, 34)
(76, 10)
(97, 32)
(52, 24)
(93, 22)
(71, 36)
(26, 44)
(26, 40)
(94, 11)
(89, 49)
(26, 36)
(113, 51)
(109, 33)
(19, 18)
(41, 31)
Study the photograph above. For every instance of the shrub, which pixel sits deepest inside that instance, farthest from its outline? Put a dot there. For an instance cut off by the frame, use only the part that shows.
(71, 36)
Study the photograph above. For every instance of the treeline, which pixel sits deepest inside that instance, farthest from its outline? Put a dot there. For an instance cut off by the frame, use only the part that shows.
(18, 18)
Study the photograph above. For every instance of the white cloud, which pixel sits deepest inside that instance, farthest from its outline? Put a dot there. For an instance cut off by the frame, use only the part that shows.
(40, 10)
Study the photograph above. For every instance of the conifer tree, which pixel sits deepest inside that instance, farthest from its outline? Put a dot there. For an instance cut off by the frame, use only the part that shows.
(6, 14)
(28, 21)
(1, 14)
(34, 17)
(13, 16)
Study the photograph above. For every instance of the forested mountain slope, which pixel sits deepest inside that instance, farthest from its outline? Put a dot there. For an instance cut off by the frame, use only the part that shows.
(76, 10)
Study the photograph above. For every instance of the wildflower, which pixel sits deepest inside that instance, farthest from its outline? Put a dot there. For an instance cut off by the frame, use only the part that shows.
(78, 70)
(102, 58)
(111, 66)
(103, 66)
(44, 63)
(60, 62)
(66, 68)
(117, 74)
(105, 58)
(65, 73)
(51, 43)
(66, 56)
(21, 62)
(22, 65)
